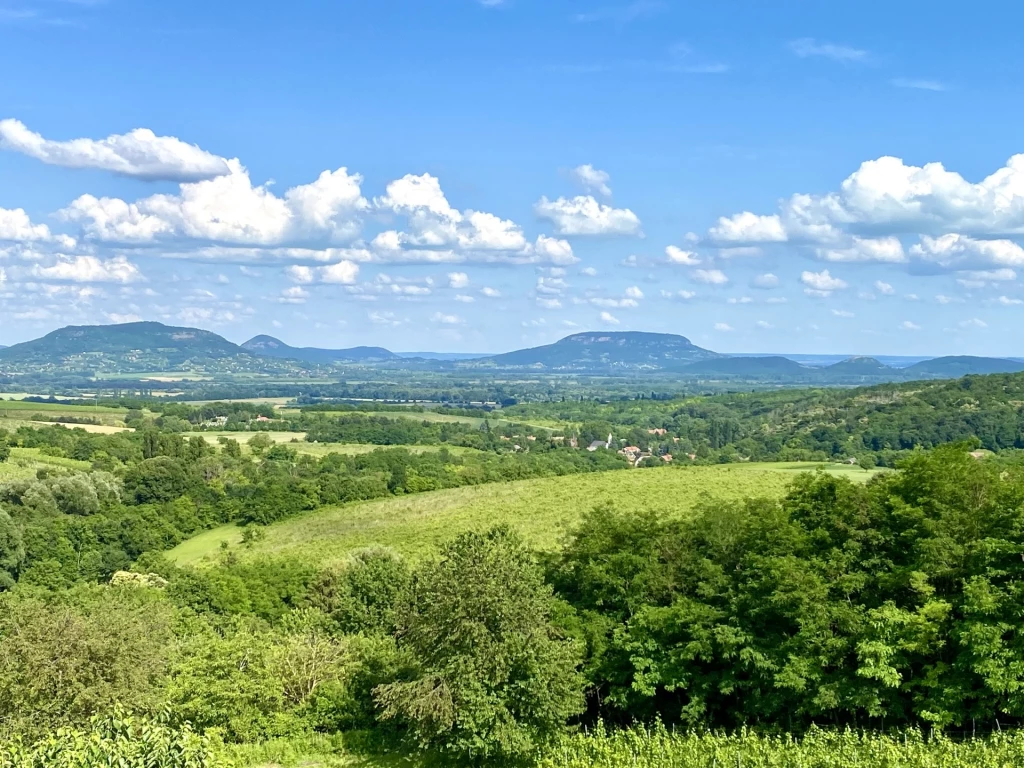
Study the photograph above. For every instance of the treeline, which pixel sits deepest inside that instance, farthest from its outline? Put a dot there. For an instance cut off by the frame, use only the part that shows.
(875, 425)
(890, 605)
(148, 491)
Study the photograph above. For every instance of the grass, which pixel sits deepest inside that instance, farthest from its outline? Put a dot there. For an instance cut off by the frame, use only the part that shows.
(24, 462)
(15, 413)
(473, 421)
(542, 510)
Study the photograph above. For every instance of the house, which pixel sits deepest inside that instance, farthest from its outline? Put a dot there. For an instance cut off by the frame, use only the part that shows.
(659, 432)
(263, 418)
(666, 457)
(631, 452)
(595, 445)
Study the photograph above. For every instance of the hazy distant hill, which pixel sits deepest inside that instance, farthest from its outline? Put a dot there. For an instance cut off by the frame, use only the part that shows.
(772, 366)
(860, 366)
(271, 347)
(605, 351)
(962, 365)
(139, 346)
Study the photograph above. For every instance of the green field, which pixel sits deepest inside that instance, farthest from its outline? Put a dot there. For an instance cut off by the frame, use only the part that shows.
(24, 462)
(542, 510)
(475, 421)
(14, 413)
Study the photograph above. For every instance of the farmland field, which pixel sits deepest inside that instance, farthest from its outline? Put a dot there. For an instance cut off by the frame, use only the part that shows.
(474, 421)
(542, 510)
(23, 411)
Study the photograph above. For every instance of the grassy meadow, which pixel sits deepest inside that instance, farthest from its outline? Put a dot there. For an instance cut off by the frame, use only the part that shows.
(541, 509)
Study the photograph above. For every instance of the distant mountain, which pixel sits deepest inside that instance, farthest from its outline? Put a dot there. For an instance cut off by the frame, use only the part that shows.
(268, 346)
(135, 346)
(442, 355)
(861, 366)
(604, 351)
(772, 366)
(963, 365)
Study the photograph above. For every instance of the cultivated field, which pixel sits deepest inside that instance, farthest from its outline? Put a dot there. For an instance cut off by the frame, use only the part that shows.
(297, 441)
(542, 510)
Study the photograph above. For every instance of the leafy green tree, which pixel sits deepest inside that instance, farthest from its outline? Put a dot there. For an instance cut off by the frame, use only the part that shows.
(12, 550)
(494, 677)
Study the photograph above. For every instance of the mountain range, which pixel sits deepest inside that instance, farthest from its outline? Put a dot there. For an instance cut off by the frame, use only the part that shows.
(149, 347)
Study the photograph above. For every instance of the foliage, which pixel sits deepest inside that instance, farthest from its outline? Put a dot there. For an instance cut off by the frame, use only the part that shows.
(493, 677)
(67, 657)
(114, 740)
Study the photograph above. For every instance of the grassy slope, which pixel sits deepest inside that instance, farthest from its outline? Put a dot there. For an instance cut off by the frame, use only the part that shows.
(541, 509)
(297, 441)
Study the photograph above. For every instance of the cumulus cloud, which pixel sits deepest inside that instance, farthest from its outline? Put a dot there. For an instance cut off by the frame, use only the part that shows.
(16, 226)
(90, 269)
(555, 251)
(584, 215)
(890, 198)
(959, 251)
(341, 273)
(821, 283)
(294, 295)
(592, 179)
(609, 319)
(678, 295)
(723, 327)
(491, 293)
(139, 154)
(677, 255)
(881, 249)
(458, 279)
(884, 288)
(547, 303)
(709, 276)
(228, 209)
(634, 292)
(908, 325)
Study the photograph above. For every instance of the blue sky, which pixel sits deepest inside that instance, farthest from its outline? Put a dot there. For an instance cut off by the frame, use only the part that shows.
(480, 176)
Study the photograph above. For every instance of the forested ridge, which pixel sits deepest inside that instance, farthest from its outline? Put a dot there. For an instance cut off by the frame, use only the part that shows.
(880, 422)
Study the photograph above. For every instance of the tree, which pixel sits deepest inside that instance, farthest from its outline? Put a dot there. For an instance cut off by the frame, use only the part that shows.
(5, 451)
(260, 442)
(494, 677)
(12, 550)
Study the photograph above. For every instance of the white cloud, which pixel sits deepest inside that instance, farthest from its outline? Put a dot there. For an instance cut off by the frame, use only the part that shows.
(739, 300)
(634, 292)
(748, 227)
(588, 272)
(613, 303)
(461, 297)
(584, 215)
(443, 319)
(293, 295)
(609, 319)
(16, 226)
(551, 285)
(1006, 301)
(549, 303)
(433, 222)
(90, 269)
(891, 198)
(881, 249)
(807, 47)
(821, 283)
(677, 255)
(592, 179)
(908, 325)
(956, 251)
(491, 293)
(384, 318)
(554, 250)
(764, 325)
(300, 274)
(458, 280)
(118, 318)
(139, 153)
(765, 281)
(974, 322)
(723, 327)
(680, 295)
(884, 288)
(709, 276)
(341, 273)
(227, 209)
(842, 313)
(918, 84)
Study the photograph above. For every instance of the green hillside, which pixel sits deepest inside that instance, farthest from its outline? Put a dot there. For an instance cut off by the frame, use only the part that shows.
(542, 510)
